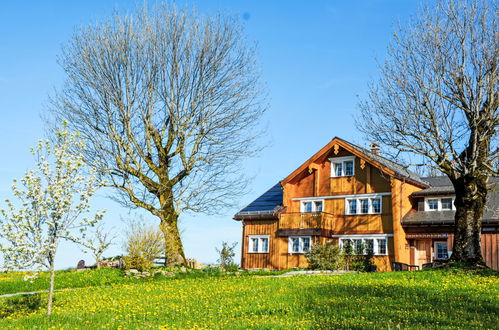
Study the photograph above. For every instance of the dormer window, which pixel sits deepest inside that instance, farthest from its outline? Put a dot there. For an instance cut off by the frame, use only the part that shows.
(446, 203)
(432, 204)
(439, 204)
(342, 166)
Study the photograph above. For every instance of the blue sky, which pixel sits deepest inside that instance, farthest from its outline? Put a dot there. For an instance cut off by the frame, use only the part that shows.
(316, 57)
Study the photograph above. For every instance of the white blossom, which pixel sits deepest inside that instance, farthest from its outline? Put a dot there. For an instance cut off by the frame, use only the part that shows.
(53, 204)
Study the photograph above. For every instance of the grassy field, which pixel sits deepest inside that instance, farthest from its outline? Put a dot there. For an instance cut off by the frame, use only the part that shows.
(426, 299)
(14, 281)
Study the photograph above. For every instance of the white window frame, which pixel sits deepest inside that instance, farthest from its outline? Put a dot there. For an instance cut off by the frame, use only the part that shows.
(435, 254)
(359, 208)
(260, 245)
(314, 206)
(374, 237)
(342, 160)
(439, 208)
(300, 247)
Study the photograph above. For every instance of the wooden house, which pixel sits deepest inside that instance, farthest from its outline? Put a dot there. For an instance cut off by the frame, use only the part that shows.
(345, 193)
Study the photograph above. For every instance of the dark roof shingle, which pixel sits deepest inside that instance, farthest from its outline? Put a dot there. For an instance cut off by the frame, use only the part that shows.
(267, 204)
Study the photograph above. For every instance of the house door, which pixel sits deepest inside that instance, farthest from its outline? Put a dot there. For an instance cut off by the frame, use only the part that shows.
(423, 252)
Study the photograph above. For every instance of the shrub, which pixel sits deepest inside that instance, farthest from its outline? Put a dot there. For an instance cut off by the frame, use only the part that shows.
(226, 257)
(212, 270)
(325, 257)
(20, 305)
(144, 244)
(358, 259)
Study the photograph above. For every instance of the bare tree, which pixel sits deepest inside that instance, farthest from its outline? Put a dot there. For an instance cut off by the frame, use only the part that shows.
(168, 102)
(98, 243)
(438, 98)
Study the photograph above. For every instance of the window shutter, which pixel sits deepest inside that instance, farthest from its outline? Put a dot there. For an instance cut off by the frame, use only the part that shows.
(420, 205)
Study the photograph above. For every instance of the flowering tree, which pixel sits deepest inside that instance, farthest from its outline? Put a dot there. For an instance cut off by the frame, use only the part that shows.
(53, 201)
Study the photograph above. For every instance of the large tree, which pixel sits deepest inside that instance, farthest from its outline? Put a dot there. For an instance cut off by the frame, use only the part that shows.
(168, 102)
(437, 98)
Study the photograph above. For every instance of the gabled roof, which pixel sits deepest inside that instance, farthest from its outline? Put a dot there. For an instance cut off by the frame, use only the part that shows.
(265, 206)
(382, 163)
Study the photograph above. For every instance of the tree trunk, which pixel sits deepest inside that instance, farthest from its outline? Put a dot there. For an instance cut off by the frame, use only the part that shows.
(51, 288)
(471, 195)
(174, 250)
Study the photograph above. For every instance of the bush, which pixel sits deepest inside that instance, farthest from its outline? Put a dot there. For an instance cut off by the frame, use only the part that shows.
(356, 260)
(144, 244)
(331, 257)
(212, 270)
(325, 257)
(20, 305)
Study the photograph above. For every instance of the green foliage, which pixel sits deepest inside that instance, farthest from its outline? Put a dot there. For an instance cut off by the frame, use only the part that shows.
(325, 257)
(144, 244)
(226, 257)
(24, 304)
(358, 259)
(450, 299)
(331, 257)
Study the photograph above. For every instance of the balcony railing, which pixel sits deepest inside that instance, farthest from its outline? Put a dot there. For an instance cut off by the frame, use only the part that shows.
(306, 220)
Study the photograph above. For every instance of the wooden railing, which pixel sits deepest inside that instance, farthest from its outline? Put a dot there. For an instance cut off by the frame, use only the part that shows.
(306, 220)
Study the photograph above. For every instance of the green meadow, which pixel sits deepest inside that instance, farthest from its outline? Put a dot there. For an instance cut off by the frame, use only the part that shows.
(448, 299)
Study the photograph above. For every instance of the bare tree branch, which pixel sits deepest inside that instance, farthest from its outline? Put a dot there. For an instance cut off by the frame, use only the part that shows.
(438, 98)
(169, 103)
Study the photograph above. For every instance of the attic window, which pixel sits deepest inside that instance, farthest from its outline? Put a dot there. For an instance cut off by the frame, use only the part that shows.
(439, 204)
(342, 166)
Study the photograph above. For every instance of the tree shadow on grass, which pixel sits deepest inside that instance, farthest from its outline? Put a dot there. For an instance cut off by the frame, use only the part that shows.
(388, 305)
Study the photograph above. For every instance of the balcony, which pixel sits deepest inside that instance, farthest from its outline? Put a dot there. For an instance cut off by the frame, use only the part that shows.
(321, 220)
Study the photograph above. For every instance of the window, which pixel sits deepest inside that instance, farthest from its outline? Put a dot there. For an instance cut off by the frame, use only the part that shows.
(441, 252)
(258, 244)
(369, 245)
(439, 204)
(338, 169)
(381, 246)
(376, 205)
(352, 206)
(307, 206)
(446, 203)
(348, 167)
(312, 206)
(342, 166)
(357, 246)
(363, 205)
(433, 204)
(377, 244)
(299, 244)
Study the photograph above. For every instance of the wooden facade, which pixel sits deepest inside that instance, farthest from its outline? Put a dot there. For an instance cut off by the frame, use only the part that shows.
(313, 181)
